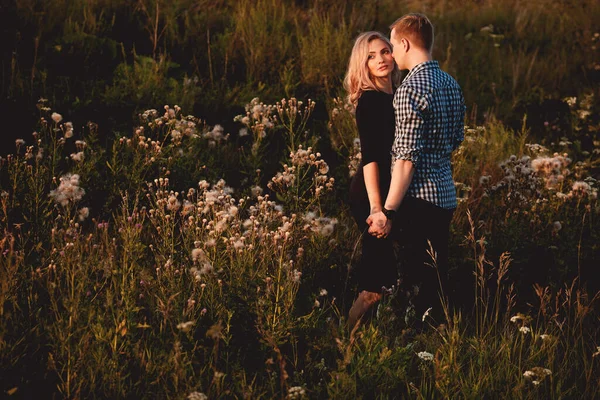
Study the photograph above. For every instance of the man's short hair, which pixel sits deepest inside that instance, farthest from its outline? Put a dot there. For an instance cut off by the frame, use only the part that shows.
(417, 28)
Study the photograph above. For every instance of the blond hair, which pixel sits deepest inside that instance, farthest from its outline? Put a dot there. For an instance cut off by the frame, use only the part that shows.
(357, 78)
(417, 28)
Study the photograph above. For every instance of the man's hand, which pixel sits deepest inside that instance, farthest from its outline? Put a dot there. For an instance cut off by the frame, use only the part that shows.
(379, 225)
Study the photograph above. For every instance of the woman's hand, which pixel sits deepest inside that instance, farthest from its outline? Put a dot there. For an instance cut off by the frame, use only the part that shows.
(379, 225)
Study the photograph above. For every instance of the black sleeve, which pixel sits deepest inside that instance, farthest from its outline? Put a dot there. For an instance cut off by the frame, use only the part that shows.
(369, 120)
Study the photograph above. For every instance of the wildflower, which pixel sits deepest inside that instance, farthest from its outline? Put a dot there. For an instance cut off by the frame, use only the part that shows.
(68, 130)
(238, 244)
(68, 190)
(176, 136)
(516, 318)
(317, 303)
(198, 254)
(56, 117)
(426, 314)
(425, 356)
(524, 329)
(323, 292)
(556, 226)
(545, 336)
(296, 392)
(528, 374)
(484, 179)
(197, 396)
(487, 29)
(185, 326)
(173, 204)
(77, 157)
(571, 101)
(296, 275)
(243, 132)
(83, 213)
(188, 207)
(324, 168)
(256, 191)
(20, 142)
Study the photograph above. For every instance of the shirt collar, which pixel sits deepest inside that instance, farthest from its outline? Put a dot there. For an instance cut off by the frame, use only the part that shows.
(419, 67)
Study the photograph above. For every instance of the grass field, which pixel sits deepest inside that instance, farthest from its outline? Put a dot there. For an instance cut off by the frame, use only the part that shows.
(204, 249)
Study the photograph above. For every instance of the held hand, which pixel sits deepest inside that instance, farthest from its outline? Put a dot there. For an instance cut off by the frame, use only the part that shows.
(379, 225)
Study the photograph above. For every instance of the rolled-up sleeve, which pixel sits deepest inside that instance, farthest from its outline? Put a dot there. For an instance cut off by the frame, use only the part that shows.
(410, 108)
(459, 129)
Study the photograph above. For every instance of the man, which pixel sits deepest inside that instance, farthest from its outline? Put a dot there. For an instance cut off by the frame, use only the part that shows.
(430, 110)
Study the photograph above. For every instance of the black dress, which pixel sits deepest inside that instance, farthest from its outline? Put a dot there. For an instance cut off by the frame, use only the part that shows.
(376, 128)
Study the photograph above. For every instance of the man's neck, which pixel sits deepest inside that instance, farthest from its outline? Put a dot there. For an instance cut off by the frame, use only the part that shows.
(419, 58)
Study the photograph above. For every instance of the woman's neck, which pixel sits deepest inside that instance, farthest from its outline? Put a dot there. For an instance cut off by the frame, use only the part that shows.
(384, 84)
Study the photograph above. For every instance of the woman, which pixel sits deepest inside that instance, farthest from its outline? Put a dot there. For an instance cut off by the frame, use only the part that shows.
(370, 81)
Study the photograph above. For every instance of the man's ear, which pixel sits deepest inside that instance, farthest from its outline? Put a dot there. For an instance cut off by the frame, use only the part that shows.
(405, 44)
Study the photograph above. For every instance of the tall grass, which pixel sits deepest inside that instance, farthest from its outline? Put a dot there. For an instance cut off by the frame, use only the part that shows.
(139, 272)
(508, 57)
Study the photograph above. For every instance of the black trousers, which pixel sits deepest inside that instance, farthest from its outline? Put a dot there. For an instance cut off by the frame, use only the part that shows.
(418, 224)
(423, 235)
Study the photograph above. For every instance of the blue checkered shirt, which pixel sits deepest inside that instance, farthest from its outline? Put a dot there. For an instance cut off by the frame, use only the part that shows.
(430, 113)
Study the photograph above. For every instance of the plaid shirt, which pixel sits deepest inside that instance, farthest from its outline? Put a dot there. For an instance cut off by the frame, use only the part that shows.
(430, 112)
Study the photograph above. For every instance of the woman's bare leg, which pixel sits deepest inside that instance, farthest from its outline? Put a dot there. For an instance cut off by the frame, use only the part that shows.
(361, 305)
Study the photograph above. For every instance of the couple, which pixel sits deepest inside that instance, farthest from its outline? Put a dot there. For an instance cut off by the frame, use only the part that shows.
(403, 190)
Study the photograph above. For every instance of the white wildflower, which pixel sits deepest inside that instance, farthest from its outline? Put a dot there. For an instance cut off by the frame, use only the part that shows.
(77, 157)
(425, 356)
(556, 226)
(197, 396)
(185, 326)
(296, 275)
(524, 329)
(296, 392)
(516, 318)
(84, 212)
(68, 190)
(256, 191)
(426, 314)
(198, 254)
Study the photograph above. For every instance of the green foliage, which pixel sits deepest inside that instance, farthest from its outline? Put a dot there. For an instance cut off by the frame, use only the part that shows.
(139, 272)
(323, 47)
(185, 258)
(147, 81)
(531, 52)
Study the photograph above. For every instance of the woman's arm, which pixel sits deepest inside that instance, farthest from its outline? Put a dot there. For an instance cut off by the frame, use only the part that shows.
(371, 174)
(368, 121)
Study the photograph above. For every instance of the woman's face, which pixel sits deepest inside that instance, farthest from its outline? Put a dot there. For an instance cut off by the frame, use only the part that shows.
(380, 61)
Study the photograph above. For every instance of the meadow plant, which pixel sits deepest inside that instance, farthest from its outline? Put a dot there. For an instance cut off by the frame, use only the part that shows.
(342, 126)
(301, 185)
(223, 288)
